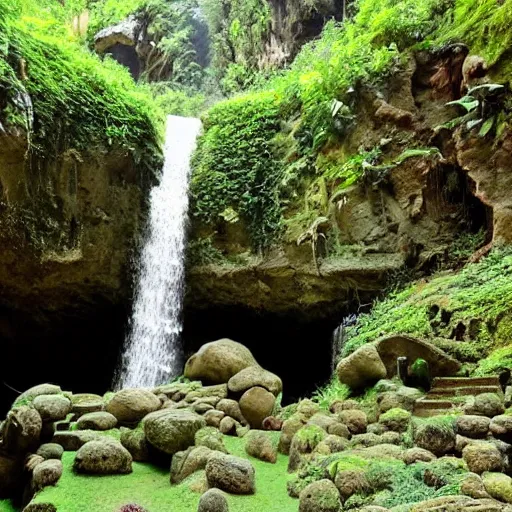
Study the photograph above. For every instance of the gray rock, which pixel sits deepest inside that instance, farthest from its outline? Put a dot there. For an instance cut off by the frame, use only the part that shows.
(172, 431)
(481, 457)
(255, 376)
(97, 421)
(125, 32)
(501, 427)
(231, 408)
(473, 426)
(45, 474)
(21, 430)
(320, 496)
(228, 426)
(213, 500)
(413, 455)
(361, 368)
(50, 451)
(41, 389)
(52, 407)
(188, 462)
(259, 445)
(355, 420)
(135, 442)
(72, 441)
(103, 458)
(213, 418)
(230, 474)
(211, 438)
(131, 405)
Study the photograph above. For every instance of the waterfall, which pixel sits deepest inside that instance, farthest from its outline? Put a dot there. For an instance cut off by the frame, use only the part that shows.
(339, 338)
(153, 352)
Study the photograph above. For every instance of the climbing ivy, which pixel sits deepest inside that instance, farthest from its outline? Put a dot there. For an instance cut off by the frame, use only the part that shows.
(234, 166)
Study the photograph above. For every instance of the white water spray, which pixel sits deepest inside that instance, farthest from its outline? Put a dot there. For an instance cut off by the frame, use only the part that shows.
(153, 348)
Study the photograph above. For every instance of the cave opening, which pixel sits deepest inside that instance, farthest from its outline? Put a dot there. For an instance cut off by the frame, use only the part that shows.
(453, 198)
(126, 56)
(294, 346)
(77, 349)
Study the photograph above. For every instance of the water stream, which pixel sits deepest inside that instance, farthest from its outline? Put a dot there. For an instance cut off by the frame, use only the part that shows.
(153, 353)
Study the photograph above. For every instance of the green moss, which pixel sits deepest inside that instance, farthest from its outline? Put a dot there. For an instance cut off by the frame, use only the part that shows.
(396, 414)
(481, 291)
(497, 361)
(7, 506)
(332, 391)
(78, 101)
(149, 486)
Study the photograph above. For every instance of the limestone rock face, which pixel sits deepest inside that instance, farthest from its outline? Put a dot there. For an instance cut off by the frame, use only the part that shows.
(257, 404)
(255, 376)
(230, 474)
(103, 458)
(361, 368)
(218, 361)
(131, 405)
(171, 431)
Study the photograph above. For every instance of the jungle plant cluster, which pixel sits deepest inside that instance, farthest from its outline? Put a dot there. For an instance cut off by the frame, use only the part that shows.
(64, 97)
(317, 96)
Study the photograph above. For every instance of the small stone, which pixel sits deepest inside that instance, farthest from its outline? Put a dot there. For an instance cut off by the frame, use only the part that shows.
(307, 408)
(41, 389)
(473, 486)
(290, 427)
(45, 474)
(213, 418)
(50, 451)
(103, 458)
(396, 420)
(501, 427)
(350, 482)
(21, 430)
(211, 438)
(188, 462)
(202, 408)
(72, 441)
(485, 404)
(320, 496)
(228, 426)
(436, 435)
(413, 455)
(231, 408)
(213, 500)
(355, 420)
(335, 443)
(97, 421)
(259, 445)
(230, 474)
(32, 461)
(339, 429)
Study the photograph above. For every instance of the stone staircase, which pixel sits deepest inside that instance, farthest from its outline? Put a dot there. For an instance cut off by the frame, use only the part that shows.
(449, 392)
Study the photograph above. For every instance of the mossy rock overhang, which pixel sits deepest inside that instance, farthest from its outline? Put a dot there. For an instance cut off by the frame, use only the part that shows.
(278, 285)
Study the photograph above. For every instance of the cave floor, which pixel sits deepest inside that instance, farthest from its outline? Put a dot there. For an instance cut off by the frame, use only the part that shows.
(149, 487)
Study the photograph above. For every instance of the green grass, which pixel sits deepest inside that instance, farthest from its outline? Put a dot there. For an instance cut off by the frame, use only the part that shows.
(6, 506)
(149, 486)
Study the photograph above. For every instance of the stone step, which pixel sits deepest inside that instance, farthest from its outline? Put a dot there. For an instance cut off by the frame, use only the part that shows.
(438, 392)
(457, 382)
(425, 407)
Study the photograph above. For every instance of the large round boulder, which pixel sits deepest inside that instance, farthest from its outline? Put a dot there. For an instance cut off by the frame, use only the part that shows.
(470, 425)
(260, 445)
(436, 435)
(361, 368)
(131, 405)
(52, 407)
(50, 451)
(255, 376)
(172, 430)
(135, 442)
(230, 474)
(218, 361)
(103, 458)
(481, 457)
(257, 404)
(40, 389)
(320, 496)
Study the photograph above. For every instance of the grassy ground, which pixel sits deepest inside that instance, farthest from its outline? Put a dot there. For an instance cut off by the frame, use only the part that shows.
(149, 487)
(5, 506)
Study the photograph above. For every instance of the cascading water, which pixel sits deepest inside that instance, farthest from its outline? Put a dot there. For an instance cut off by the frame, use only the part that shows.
(152, 351)
(339, 338)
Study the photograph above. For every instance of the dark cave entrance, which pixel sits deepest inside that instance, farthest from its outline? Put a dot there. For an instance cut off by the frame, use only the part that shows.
(126, 56)
(78, 350)
(296, 348)
(451, 197)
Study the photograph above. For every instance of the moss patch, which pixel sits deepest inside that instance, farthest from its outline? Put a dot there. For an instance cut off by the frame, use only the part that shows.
(149, 487)
(7, 506)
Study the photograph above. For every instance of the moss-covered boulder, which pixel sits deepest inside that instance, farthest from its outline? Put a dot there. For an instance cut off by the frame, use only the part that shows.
(485, 404)
(257, 404)
(103, 458)
(211, 438)
(396, 420)
(230, 474)
(131, 405)
(361, 368)
(499, 486)
(50, 451)
(321, 496)
(45, 474)
(171, 431)
(101, 420)
(213, 500)
(304, 442)
(260, 445)
(136, 443)
(481, 457)
(188, 462)
(218, 361)
(255, 376)
(436, 434)
(470, 425)
(52, 407)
